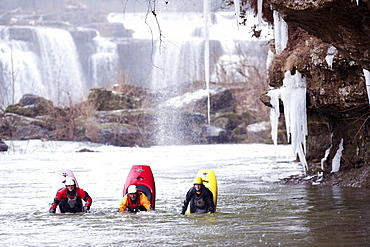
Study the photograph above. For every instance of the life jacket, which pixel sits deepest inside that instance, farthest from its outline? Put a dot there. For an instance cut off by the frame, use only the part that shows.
(199, 201)
(135, 204)
(72, 199)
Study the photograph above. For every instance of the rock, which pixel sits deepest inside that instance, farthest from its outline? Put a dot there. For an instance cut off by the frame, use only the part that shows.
(25, 128)
(214, 134)
(337, 102)
(105, 100)
(221, 99)
(30, 99)
(3, 146)
(84, 150)
(31, 106)
(116, 118)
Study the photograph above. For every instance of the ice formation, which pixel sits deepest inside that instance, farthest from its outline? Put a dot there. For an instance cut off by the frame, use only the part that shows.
(336, 160)
(332, 51)
(280, 33)
(293, 96)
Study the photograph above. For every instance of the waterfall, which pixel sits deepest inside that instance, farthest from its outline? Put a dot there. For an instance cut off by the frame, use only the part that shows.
(103, 65)
(60, 67)
(18, 67)
(45, 62)
(168, 50)
(40, 61)
(179, 64)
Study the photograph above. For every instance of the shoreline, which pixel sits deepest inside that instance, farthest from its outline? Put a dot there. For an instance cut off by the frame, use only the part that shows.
(356, 178)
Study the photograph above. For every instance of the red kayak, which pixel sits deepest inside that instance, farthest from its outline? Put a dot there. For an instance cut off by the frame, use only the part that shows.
(142, 177)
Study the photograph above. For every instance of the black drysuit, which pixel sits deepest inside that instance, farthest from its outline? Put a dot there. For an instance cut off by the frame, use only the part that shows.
(200, 201)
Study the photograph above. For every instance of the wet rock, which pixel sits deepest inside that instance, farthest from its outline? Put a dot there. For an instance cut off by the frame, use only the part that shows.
(24, 128)
(3, 146)
(214, 134)
(337, 103)
(85, 150)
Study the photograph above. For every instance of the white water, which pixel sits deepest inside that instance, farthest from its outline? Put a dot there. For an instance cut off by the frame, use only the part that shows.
(252, 211)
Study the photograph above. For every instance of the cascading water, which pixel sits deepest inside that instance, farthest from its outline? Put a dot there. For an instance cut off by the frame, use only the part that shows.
(45, 62)
(179, 64)
(41, 61)
(17, 63)
(103, 65)
(60, 68)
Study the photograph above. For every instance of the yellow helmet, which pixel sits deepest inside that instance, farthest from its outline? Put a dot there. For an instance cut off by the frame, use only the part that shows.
(198, 180)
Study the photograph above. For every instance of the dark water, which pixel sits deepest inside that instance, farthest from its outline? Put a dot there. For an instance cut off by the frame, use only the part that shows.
(252, 209)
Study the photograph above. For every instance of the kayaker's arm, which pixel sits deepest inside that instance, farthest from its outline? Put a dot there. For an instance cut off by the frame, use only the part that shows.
(145, 202)
(188, 197)
(209, 202)
(123, 205)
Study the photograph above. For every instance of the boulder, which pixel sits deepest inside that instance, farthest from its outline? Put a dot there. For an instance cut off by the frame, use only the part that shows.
(105, 100)
(213, 134)
(3, 146)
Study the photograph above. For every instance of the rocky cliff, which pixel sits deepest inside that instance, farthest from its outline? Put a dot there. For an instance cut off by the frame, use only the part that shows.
(337, 100)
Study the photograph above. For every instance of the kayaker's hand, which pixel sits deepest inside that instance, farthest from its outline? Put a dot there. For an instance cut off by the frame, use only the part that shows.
(86, 209)
(52, 211)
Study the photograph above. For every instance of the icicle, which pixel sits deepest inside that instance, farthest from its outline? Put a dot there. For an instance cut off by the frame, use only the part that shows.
(332, 51)
(274, 113)
(237, 11)
(293, 95)
(367, 80)
(335, 164)
(259, 11)
(325, 157)
(280, 33)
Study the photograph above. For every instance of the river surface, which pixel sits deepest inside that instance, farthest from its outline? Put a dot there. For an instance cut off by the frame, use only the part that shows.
(252, 210)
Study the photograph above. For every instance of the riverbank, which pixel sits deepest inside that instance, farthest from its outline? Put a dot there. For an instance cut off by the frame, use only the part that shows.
(356, 177)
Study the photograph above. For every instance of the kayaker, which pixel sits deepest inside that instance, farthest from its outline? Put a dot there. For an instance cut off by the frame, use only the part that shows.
(199, 197)
(69, 199)
(134, 201)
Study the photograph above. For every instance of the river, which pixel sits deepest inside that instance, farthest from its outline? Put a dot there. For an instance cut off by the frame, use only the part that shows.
(252, 210)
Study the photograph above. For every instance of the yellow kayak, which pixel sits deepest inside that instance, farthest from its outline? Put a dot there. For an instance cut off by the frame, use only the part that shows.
(210, 181)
